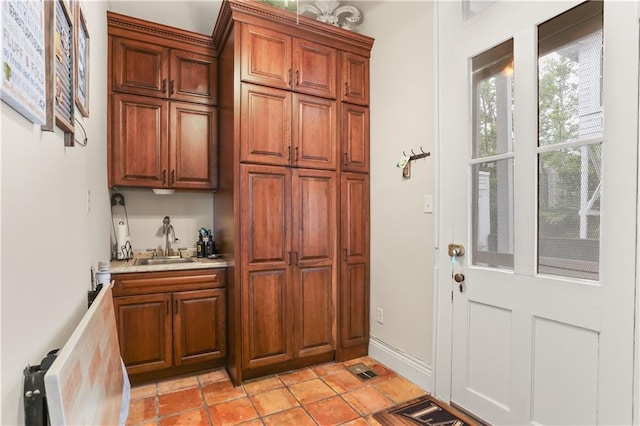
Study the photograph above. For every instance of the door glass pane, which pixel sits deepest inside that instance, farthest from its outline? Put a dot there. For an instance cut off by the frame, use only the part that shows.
(492, 157)
(493, 213)
(569, 212)
(570, 134)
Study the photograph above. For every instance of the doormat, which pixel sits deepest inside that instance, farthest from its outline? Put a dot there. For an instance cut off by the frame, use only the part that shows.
(426, 411)
(362, 371)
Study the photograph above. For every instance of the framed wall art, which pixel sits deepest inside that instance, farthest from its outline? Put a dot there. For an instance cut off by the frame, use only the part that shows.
(81, 61)
(60, 69)
(23, 58)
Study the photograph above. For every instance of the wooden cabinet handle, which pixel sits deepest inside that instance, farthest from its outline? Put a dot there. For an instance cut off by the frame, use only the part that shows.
(297, 77)
(296, 153)
(172, 87)
(346, 88)
(290, 74)
(164, 176)
(289, 155)
(164, 85)
(345, 157)
(173, 177)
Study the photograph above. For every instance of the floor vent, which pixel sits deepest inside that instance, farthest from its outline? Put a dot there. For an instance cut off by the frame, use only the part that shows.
(362, 371)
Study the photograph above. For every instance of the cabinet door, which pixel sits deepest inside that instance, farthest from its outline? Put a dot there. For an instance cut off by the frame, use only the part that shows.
(355, 138)
(140, 68)
(144, 331)
(266, 254)
(354, 279)
(140, 144)
(199, 326)
(265, 121)
(265, 57)
(315, 132)
(193, 152)
(354, 71)
(315, 69)
(194, 77)
(315, 266)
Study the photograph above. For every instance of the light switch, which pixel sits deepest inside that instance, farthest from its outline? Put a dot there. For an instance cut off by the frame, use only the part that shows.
(428, 203)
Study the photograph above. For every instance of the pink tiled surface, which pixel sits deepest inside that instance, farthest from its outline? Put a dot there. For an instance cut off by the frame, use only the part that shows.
(326, 394)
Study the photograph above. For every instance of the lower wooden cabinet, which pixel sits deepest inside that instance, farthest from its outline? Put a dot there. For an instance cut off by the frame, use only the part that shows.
(198, 326)
(170, 323)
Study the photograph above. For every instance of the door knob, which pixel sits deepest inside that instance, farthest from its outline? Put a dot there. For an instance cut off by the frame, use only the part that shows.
(456, 250)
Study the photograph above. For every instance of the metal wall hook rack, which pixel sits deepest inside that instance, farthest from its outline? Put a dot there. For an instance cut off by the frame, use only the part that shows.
(415, 156)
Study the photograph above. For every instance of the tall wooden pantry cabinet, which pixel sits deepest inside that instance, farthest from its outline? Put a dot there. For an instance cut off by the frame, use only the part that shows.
(292, 207)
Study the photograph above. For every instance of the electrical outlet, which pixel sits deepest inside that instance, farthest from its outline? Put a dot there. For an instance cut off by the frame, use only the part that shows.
(380, 315)
(428, 203)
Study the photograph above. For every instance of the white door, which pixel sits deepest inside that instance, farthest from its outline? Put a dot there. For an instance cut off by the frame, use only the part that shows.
(537, 129)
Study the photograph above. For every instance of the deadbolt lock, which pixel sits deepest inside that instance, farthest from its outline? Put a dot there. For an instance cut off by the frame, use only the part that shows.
(456, 250)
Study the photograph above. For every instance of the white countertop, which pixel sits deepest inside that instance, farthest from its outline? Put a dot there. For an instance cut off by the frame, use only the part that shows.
(123, 267)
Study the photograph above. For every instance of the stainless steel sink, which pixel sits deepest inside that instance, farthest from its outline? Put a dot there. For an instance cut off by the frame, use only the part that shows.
(165, 260)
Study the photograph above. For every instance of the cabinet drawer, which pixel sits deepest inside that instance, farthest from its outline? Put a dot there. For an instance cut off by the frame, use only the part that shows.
(167, 281)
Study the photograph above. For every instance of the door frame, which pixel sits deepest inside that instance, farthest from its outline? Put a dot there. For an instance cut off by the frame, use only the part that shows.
(441, 386)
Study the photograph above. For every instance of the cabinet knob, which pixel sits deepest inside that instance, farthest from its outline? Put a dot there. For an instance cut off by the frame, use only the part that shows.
(297, 77)
(164, 85)
(173, 177)
(296, 153)
(290, 73)
(346, 88)
(172, 87)
(164, 176)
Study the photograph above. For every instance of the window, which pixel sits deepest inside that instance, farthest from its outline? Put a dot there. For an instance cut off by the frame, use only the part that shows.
(570, 142)
(492, 157)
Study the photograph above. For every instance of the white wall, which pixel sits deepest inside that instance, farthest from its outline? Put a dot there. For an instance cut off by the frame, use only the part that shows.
(49, 241)
(189, 211)
(402, 235)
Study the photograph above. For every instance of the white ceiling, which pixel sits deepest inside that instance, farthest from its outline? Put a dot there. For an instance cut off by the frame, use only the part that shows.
(193, 15)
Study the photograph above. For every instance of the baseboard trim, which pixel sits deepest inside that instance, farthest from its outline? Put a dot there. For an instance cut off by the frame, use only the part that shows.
(410, 368)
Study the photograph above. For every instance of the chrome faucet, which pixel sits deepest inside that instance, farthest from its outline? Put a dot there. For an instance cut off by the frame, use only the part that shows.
(166, 229)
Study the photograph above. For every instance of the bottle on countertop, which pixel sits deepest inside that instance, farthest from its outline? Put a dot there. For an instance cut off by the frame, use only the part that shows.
(211, 245)
(200, 247)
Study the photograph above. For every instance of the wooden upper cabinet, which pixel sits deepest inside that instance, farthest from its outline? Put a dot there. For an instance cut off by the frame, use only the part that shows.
(193, 158)
(144, 68)
(274, 59)
(314, 68)
(199, 326)
(266, 57)
(355, 138)
(194, 77)
(140, 149)
(354, 72)
(315, 132)
(281, 128)
(265, 117)
(162, 144)
(139, 67)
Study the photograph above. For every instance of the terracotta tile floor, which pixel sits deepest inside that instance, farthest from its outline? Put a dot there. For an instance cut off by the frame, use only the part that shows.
(327, 394)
